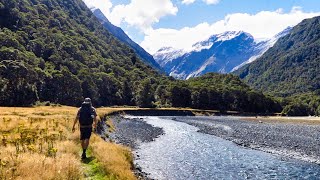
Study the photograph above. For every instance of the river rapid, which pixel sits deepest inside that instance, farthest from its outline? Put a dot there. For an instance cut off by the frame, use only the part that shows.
(183, 152)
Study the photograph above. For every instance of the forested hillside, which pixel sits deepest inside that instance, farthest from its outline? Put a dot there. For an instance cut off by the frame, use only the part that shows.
(292, 65)
(57, 52)
(123, 37)
(290, 70)
(228, 92)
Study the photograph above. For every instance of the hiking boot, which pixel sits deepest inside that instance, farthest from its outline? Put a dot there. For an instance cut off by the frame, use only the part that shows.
(83, 156)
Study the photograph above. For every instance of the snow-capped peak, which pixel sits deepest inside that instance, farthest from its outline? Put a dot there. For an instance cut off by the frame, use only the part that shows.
(166, 54)
(262, 46)
(165, 50)
(222, 53)
(228, 35)
(207, 44)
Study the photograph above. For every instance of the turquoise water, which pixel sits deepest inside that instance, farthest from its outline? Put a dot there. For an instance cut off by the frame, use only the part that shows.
(184, 153)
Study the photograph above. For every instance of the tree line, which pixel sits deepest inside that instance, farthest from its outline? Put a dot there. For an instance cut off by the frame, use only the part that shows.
(58, 52)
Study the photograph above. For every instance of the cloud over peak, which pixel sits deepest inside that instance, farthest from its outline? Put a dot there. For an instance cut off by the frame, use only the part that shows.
(264, 24)
(142, 13)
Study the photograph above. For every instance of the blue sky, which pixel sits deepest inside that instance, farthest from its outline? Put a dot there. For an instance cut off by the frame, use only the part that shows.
(181, 23)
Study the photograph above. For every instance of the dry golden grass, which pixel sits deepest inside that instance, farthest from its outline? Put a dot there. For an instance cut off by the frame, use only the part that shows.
(282, 119)
(115, 159)
(37, 143)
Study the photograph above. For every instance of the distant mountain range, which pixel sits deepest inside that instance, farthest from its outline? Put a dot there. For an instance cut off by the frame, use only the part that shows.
(123, 37)
(223, 53)
(291, 66)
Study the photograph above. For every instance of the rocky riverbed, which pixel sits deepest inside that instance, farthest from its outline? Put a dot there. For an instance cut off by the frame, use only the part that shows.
(287, 139)
(131, 132)
(290, 139)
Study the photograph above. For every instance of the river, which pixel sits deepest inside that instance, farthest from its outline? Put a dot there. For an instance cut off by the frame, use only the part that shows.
(184, 153)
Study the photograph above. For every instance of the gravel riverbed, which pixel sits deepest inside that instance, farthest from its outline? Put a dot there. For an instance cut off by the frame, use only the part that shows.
(131, 132)
(287, 139)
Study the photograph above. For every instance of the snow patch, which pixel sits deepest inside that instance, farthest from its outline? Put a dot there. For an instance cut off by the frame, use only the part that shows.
(202, 68)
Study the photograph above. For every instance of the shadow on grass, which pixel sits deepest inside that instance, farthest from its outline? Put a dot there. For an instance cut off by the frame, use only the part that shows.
(88, 160)
(92, 168)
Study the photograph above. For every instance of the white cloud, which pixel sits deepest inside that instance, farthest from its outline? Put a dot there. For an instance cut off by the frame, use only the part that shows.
(183, 38)
(142, 13)
(188, 1)
(206, 1)
(264, 24)
(103, 5)
(212, 1)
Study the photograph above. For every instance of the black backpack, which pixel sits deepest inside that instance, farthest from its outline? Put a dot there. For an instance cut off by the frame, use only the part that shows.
(86, 115)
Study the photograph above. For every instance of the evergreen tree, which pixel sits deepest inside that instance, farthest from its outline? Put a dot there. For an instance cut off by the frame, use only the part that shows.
(145, 96)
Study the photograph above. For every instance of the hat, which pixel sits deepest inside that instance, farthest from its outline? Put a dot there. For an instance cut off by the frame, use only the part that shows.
(87, 101)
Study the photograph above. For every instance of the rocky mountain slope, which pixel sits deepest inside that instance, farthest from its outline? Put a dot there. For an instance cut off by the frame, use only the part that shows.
(292, 65)
(123, 37)
(223, 53)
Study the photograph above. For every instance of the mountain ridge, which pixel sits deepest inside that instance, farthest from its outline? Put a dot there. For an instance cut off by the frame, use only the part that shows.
(58, 52)
(123, 37)
(291, 66)
(222, 53)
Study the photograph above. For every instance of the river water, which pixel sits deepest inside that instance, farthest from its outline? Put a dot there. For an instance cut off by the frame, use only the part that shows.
(184, 153)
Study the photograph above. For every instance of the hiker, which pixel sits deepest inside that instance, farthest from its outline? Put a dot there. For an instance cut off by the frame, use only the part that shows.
(87, 118)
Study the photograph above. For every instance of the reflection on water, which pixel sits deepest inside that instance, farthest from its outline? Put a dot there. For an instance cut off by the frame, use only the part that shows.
(184, 153)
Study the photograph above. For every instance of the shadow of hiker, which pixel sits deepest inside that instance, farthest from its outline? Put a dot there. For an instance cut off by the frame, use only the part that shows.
(87, 160)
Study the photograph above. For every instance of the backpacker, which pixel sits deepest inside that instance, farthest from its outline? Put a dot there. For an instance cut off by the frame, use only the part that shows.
(86, 115)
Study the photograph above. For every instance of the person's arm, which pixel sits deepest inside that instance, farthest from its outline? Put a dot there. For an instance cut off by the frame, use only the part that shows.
(75, 122)
(95, 120)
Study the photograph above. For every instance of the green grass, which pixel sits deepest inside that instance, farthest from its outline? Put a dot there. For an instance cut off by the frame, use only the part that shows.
(92, 168)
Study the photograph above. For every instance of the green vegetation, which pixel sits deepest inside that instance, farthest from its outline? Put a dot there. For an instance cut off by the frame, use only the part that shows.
(222, 92)
(291, 66)
(93, 169)
(302, 104)
(290, 70)
(57, 52)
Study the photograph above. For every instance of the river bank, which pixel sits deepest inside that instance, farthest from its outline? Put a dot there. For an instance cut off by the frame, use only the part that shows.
(293, 138)
(286, 139)
(296, 137)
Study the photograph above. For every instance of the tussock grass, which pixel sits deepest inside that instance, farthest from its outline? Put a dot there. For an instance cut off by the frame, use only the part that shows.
(37, 143)
(115, 159)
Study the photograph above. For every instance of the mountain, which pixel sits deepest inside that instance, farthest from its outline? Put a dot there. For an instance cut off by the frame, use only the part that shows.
(58, 51)
(123, 37)
(221, 53)
(291, 66)
(263, 46)
(167, 54)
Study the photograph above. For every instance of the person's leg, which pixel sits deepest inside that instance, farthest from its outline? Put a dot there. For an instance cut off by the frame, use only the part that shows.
(84, 145)
(85, 136)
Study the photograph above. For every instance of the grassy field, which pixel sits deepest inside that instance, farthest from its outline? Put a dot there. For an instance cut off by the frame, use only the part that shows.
(37, 143)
